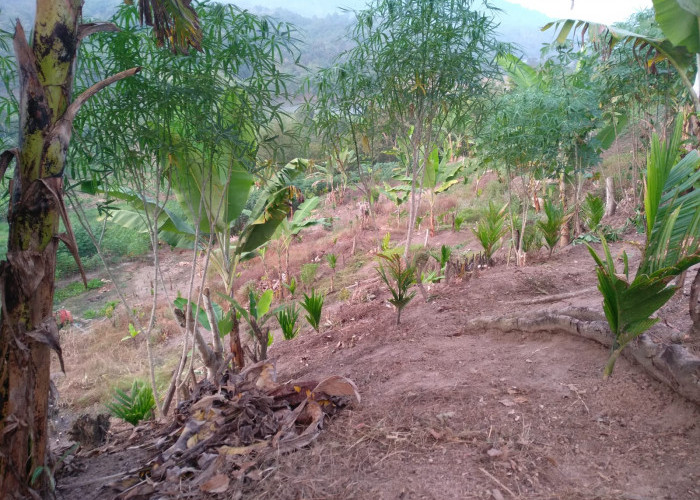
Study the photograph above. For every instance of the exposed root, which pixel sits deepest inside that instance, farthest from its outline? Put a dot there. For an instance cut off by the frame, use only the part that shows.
(554, 298)
(671, 364)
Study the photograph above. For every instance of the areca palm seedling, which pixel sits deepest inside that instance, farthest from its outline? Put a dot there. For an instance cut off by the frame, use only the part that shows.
(399, 279)
(313, 304)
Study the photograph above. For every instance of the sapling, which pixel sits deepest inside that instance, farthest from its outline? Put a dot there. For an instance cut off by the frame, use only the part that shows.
(592, 211)
(287, 318)
(332, 260)
(490, 229)
(313, 304)
(308, 274)
(136, 405)
(442, 259)
(551, 228)
(399, 279)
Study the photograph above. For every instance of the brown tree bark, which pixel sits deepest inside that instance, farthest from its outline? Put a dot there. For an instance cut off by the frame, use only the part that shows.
(694, 305)
(27, 328)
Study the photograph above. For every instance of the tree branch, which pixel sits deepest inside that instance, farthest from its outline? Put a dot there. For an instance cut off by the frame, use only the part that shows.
(88, 29)
(5, 159)
(72, 110)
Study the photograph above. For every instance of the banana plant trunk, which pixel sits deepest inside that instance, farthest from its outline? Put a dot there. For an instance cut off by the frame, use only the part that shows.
(28, 330)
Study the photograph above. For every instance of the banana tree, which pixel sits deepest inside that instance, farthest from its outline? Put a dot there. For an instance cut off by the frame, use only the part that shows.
(672, 201)
(47, 110)
(439, 176)
(680, 22)
(288, 229)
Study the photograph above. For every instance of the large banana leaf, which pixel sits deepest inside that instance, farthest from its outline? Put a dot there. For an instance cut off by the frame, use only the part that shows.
(682, 56)
(679, 21)
(521, 74)
(221, 187)
(272, 208)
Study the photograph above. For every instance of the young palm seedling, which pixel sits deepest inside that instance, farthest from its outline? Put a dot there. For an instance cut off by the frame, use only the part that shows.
(287, 318)
(313, 304)
(551, 228)
(490, 229)
(136, 405)
(399, 279)
(332, 260)
(291, 286)
(592, 211)
(442, 259)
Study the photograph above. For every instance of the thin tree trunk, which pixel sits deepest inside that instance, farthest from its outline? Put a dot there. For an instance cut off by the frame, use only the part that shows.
(27, 328)
(695, 305)
(565, 230)
(610, 204)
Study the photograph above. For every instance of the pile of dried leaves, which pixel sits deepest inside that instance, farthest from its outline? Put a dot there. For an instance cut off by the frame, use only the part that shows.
(220, 438)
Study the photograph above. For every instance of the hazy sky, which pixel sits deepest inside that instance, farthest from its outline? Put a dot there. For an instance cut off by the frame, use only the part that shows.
(607, 11)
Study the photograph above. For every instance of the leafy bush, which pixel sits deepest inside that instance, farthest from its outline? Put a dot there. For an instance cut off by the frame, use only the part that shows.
(592, 212)
(399, 280)
(551, 228)
(490, 229)
(313, 305)
(287, 318)
(136, 405)
(308, 274)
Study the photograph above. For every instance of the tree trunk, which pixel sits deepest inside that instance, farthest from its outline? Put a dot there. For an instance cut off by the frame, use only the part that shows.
(27, 328)
(695, 305)
(565, 230)
(610, 204)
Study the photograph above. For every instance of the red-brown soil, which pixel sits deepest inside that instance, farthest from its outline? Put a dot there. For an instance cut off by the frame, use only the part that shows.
(448, 412)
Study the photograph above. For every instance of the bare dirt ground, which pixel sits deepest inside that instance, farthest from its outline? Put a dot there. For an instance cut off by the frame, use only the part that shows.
(449, 412)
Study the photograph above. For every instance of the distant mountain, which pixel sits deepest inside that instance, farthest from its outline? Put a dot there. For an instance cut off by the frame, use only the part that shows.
(522, 26)
(322, 24)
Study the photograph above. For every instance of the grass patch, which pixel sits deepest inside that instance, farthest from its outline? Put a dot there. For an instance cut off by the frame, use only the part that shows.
(74, 289)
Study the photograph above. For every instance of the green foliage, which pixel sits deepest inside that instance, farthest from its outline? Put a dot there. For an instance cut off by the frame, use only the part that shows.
(399, 279)
(307, 274)
(332, 260)
(672, 246)
(442, 258)
(344, 294)
(136, 405)
(551, 228)
(490, 229)
(592, 210)
(291, 286)
(313, 304)
(106, 311)
(75, 288)
(385, 244)
(287, 318)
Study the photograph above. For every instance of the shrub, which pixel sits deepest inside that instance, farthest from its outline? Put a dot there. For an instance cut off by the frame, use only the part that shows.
(308, 274)
(312, 305)
(136, 405)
